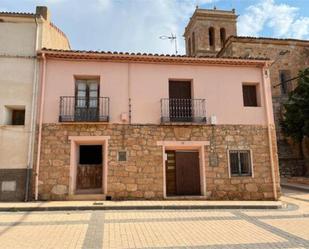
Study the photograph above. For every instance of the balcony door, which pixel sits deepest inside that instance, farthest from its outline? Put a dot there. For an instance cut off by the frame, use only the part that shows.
(87, 100)
(180, 103)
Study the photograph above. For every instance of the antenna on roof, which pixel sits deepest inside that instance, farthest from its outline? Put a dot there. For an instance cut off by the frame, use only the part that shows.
(172, 38)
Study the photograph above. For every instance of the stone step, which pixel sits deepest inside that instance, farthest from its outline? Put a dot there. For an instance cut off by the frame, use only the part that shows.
(87, 197)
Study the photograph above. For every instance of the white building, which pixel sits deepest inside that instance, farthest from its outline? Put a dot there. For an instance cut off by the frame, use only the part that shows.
(21, 36)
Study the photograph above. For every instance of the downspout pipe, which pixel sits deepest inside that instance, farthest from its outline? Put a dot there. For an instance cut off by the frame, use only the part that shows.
(270, 126)
(33, 115)
(37, 168)
(129, 92)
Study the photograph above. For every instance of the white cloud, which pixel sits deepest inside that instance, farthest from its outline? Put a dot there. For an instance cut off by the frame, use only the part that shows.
(281, 19)
(139, 23)
(104, 4)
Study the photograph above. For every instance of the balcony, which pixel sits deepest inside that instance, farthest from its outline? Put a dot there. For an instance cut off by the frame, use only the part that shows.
(183, 110)
(84, 109)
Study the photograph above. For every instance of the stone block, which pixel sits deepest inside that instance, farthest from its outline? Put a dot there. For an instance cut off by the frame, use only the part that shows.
(59, 190)
(251, 187)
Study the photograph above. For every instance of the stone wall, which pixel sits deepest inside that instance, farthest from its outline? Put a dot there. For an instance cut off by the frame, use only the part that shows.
(298, 180)
(141, 176)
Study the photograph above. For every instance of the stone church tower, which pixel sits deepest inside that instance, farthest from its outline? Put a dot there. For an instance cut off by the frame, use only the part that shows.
(207, 30)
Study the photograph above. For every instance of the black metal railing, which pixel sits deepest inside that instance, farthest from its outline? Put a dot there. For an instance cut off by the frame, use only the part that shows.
(84, 109)
(183, 110)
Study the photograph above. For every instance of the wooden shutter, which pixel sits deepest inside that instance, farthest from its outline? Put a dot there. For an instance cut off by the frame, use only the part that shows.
(18, 117)
(249, 95)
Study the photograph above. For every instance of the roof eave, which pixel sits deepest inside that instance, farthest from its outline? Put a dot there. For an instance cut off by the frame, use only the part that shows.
(121, 57)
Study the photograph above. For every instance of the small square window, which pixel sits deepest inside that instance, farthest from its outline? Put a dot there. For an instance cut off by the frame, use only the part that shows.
(122, 156)
(250, 95)
(240, 163)
(18, 117)
(14, 115)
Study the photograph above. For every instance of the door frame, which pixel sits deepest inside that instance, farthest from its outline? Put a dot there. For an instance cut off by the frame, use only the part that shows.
(74, 156)
(185, 145)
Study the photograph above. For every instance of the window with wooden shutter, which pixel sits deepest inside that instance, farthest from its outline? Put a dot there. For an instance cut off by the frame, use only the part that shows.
(249, 95)
(18, 117)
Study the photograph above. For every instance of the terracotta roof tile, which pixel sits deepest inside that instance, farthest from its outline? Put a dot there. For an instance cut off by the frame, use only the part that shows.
(149, 57)
(7, 13)
(146, 54)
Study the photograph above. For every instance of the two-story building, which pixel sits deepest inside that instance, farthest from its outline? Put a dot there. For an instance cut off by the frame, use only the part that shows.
(121, 126)
(21, 36)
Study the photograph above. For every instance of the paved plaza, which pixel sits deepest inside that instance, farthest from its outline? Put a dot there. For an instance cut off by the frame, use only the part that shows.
(227, 229)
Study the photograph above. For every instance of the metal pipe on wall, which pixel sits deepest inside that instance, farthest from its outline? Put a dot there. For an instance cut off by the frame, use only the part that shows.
(265, 73)
(36, 190)
(33, 115)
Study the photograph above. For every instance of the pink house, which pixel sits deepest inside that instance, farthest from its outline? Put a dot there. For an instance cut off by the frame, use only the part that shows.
(122, 126)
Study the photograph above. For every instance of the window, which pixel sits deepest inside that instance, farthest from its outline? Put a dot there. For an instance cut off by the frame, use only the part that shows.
(90, 154)
(285, 75)
(87, 100)
(222, 36)
(211, 36)
(249, 95)
(87, 93)
(240, 163)
(122, 156)
(193, 42)
(189, 46)
(18, 117)
(14, 115)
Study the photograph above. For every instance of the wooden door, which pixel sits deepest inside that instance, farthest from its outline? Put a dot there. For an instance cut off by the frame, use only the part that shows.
(187, 173)
(180, 105)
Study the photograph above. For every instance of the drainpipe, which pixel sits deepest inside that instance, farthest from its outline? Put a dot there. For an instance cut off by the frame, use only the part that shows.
(33, 115)
(40, 128)
(129, 92)
(269, 127)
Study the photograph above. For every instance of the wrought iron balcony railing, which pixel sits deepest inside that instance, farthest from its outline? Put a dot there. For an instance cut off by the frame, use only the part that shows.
(183, 110)
(84, 109)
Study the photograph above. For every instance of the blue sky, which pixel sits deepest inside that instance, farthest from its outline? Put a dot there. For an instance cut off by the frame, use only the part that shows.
(135, 25)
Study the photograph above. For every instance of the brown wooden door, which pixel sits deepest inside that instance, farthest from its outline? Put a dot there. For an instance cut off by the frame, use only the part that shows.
(180, 105)
(187, 173)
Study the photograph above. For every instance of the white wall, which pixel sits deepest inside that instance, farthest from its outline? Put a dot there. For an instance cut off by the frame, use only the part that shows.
(17, 38)
(16, 82)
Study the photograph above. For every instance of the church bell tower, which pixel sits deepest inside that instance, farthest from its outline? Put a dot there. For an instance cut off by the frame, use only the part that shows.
(207, 31)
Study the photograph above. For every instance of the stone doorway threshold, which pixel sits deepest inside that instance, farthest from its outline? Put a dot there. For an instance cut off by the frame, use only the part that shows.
(88, 191)
(86, 197)
(186, 197)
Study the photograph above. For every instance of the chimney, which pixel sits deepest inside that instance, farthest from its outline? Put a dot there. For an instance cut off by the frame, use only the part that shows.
(43, 12)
